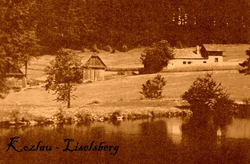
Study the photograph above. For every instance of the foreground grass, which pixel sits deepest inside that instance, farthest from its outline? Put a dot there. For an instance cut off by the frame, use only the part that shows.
(127, 88)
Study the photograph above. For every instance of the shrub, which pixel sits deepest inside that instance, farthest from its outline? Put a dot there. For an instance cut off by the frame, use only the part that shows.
(246, 64)
(124, 48)
(107, 48)
(153, 88)
(17, 88)
(95, 49)
(206, 97)
(156, 57)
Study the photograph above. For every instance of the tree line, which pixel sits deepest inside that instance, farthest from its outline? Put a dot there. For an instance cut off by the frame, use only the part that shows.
(80, 24)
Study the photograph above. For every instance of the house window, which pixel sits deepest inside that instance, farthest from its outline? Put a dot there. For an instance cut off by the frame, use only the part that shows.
(216, 60)
(204, 61)
(189, 62)
(184, 62)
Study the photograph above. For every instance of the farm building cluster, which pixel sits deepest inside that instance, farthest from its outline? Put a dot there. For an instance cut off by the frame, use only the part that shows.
(93, 67)
(203, 55)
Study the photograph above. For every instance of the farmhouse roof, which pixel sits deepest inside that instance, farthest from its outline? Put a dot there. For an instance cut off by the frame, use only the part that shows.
(186, 53)
(213, 47)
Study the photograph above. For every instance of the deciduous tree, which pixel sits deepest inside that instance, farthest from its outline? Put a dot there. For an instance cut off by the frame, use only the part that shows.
(64, 71)
(17, 35)
(156, 57)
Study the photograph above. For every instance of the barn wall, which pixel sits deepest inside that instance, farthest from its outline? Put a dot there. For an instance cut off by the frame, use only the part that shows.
(93, 74)
(17, 81)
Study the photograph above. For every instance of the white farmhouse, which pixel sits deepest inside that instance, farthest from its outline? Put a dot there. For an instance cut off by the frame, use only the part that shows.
(202, 55)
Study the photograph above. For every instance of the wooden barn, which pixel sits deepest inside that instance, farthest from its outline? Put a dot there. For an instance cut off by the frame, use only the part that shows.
(93, 68)
(15, 77)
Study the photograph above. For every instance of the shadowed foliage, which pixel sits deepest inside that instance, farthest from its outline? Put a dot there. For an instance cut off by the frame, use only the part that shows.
(156, 57)
(207, 99)
(246, 64)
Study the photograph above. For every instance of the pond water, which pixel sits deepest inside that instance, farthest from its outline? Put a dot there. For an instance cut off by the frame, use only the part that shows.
(163, 140)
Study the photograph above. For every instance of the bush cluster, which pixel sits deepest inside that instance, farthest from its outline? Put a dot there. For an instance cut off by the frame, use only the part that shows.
(207, 97)
(246, 64)
(153, 88)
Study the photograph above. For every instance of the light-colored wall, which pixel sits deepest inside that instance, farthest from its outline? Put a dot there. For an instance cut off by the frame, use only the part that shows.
(212, 59)
(189, 62)
(180, 62)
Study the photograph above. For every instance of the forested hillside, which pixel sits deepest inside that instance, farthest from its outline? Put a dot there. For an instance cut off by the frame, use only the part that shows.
(80, 24)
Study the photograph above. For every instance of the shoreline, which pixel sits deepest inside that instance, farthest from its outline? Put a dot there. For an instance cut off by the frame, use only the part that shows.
(34, 115)
(20, 116)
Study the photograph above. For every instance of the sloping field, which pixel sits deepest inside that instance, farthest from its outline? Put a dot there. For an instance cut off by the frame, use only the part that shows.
(126, 89)
(130, 59)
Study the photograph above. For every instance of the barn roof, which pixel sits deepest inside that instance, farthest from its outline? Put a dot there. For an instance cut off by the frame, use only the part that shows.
(86, 57)
(186, 54)
(213, 47)
(98, 63)
(13, 71)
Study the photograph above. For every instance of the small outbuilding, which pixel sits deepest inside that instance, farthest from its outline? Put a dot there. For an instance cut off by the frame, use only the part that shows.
(15, 77)
(93, 68)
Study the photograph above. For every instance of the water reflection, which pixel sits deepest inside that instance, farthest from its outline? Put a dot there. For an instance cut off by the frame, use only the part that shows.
(201, 137)
(166, 140)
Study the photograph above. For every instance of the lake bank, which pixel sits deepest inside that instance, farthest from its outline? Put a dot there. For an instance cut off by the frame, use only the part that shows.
(115, 112)
(118, 111)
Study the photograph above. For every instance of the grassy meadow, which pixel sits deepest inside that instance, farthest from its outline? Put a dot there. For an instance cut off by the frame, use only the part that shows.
(122, 61)
(122, 92)
(127, 89)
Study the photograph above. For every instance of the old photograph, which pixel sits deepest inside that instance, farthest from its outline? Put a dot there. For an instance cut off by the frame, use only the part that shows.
(125, 81)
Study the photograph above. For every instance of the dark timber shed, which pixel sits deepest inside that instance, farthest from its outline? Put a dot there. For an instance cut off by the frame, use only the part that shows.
(93, 68)
(15, 77)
